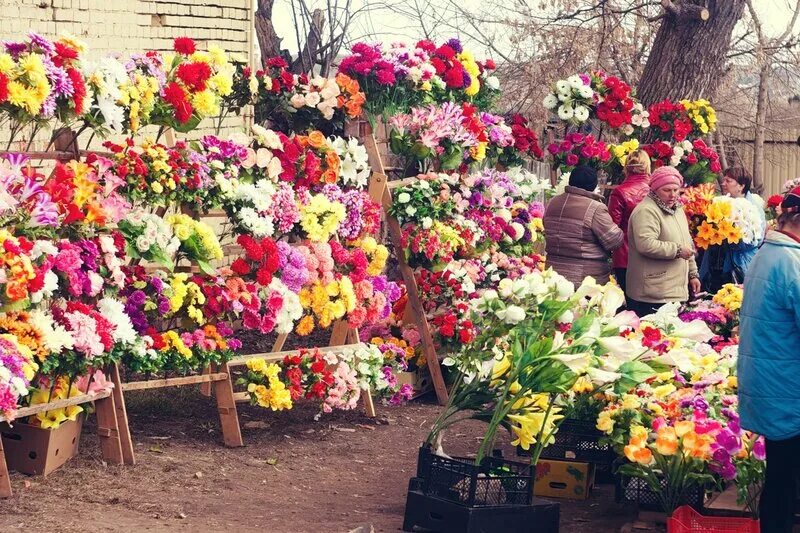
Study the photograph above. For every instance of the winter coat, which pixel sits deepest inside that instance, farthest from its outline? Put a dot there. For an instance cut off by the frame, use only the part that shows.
(580, 235)
(621, 203)
(769, 344)
(655, 272)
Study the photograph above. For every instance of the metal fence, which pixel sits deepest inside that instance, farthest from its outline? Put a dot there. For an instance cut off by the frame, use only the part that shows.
(781, 155)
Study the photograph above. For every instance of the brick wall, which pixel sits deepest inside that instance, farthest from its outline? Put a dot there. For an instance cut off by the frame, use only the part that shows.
(109, 26)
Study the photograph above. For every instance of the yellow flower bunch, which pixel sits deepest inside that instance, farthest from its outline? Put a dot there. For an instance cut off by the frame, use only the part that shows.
(275, 396)
(187, 294)
(160, 169)
(533, 418)
(469, 64)
(701, 114)
(621, 151)
(320, 218)
(61, 391)
(139, 97)
(717, 227)
(729, 297)
(326, 303)
(27, 86)
(376, 253)
(173, 341)
(203, 243)
(448, 234)
(478, 153)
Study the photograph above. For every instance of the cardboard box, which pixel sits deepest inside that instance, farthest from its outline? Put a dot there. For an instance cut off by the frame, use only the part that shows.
(419, 379)
(36, 451)
(571, 480)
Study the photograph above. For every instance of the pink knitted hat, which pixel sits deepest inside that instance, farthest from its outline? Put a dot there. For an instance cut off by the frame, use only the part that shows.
(663, 176)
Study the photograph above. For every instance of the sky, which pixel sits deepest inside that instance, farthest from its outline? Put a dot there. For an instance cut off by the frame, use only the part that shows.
(774, 14)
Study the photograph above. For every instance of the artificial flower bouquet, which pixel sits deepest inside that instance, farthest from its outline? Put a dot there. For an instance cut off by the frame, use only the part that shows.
(397, 77)
(697, 162)
(194, 84)
(150, 238)
(579, 149)
(571, 99)
(424, 200)
(679, 121)
(526, 143)
(198, 243)
(729, 221)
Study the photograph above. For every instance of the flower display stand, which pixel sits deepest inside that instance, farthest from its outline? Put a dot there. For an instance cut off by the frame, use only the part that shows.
(108, 430)
(342, 337)
(380, 190)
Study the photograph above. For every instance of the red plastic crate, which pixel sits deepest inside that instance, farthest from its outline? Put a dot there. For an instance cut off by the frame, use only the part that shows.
(687, 520)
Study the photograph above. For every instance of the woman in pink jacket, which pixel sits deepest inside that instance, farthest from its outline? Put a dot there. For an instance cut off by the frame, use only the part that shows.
(622, 202)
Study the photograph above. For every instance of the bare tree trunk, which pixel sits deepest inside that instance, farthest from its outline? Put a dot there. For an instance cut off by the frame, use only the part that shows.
(688, 53)
(268, 41)
(308, 56)
(761, 126)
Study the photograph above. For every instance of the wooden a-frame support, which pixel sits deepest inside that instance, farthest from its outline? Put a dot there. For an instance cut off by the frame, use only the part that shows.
(108, 429)
(380, 189)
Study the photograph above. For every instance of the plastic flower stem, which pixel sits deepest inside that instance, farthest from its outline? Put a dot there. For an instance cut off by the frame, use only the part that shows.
(504, 406)
(539, 438)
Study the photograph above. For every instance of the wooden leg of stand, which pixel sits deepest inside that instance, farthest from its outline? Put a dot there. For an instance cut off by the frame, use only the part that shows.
(369, 405)
(205, 388)
(339, 333)
(5, 481)
(226, 405)
(122, 418)
(108, 430)
(279, 342)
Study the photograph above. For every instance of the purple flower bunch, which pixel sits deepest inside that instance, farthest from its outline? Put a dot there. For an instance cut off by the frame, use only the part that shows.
(283, 209)
(292, 266)
(143, 297)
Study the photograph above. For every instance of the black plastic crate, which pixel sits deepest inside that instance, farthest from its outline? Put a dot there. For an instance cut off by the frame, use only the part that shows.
(496, 482)
(637, 490)
(578, 440)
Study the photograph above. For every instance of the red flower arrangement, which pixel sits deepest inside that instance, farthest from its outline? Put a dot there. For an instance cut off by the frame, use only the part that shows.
(696, 161)
(440, 288)
(670, 120)
(614, 100)
(452, 326)
(579, 149)
(184, 46)
(308, 375)
(261, 260)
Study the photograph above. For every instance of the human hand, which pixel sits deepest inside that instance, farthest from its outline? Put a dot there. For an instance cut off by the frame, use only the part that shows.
(694, 286)
(685, 253)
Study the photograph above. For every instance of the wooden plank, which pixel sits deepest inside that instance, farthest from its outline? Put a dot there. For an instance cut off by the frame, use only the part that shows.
(126, 442)
(241, 397)
(377, 184)
(226, 406)
(5, 480)
(173, 382)
(205, 388)
(396, 184)
(57, 404)
(395, 233)
(108, 431)
(278, 356)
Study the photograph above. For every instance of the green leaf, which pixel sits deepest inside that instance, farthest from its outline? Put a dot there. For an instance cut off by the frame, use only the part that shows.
(633, 373)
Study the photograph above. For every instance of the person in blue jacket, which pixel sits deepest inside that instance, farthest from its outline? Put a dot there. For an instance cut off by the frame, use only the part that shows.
(769, 362)
(729, 263)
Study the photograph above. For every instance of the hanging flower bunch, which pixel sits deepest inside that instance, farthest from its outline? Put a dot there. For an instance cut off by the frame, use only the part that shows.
(195, 83)
(526, 143)
(571, 99)
(579, 149)
(157, 175)
(325, 303)
(308, 375)
(426, 199)
(435, 246)
(702, 115)
(198, 243)
(122, 93)
(41, 79)
(376, 373)
(150, 238)
(614, 100)
(84, 267)
(19, 277)
(697, 162)
(670, 121)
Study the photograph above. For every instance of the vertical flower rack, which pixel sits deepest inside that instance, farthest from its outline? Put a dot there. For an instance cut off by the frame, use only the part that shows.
(380, 189)
(108, 429)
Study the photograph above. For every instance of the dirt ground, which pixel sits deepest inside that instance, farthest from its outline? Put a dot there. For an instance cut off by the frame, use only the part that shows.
(295, 474)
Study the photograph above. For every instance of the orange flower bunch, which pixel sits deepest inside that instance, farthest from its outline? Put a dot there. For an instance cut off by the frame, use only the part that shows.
(329, 162)
(19, 325)
(16, 270)
(351, 97)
